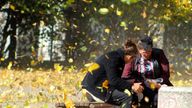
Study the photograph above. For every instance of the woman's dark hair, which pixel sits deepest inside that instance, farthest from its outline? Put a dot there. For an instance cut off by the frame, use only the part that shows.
(130, 48)
(145, 43)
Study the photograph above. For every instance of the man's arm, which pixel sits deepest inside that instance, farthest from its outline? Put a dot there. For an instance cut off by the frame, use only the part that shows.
(164, 63)
(115, 80)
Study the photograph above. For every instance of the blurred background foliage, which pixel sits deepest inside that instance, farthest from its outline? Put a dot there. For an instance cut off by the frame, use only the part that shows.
(36, 33)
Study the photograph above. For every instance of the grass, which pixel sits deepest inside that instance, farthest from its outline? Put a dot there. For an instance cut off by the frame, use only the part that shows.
(34, 86)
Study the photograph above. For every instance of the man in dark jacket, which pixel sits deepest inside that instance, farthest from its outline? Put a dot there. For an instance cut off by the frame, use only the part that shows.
(151, 64)
(105, 83)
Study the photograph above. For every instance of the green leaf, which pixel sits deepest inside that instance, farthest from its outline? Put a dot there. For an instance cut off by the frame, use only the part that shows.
(84, 48)
(123, 24)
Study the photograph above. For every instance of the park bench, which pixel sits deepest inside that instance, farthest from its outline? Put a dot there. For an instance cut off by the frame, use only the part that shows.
(175, 97)
(88, 105)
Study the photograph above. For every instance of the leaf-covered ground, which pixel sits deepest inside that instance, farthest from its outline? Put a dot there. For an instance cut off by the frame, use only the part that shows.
(52, 86)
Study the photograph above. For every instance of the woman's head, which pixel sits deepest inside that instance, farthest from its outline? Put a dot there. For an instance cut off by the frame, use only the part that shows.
(145, 47)
(130, 51)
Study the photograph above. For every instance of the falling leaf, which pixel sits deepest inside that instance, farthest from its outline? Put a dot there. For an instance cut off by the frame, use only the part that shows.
(69, 104)
(123, 24)
(136, 28)
(179, 74)
(123, 105)
(93, 67)
(42, 23)
(88, 64)
(33, 62)
(70, 60)
(10, 65)
(144, 14)
(52, 88)
(84, 48)
(12, 7)
(155, 5)
(152, 85)
(107, 30)
(146, 99)
(155, 39)
(84, 92)
(88, 1)
(119, 13)
(103, 11)
(22, 11)
(58, 67)
(74, 25)
(112, 6)
(2, 59)
(105, 84)
(34, 24)
(40, 58)
(127, 92)
(100, 88)
(95, 9)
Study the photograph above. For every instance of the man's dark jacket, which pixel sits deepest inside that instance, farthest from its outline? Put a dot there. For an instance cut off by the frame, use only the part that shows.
(110, 68)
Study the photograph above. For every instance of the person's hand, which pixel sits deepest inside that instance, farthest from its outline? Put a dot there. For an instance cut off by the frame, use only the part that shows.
(137, 88)
(157, 85)
(153, 84)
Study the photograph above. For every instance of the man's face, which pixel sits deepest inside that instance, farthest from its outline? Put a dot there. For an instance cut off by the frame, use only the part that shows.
(146, 54)
(128, 58)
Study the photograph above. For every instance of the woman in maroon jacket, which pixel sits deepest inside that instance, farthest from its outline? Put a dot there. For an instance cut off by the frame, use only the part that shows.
(150, 69)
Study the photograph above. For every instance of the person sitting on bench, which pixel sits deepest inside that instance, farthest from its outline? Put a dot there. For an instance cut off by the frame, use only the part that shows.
(104, 82)
(150, 69)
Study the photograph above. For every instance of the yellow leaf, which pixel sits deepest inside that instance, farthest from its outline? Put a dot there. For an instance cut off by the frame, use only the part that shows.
(12, 7)
(84, 92)
(58, 67)
(136, 28)
(119, 13)
(22, 11)
(52, 88)
(146, 99)
(103, 11)
(64, 95)
(10, 65)
(93, 67)
(40, 58)
(34, 24)
(152, 85)
(95, 9)
(144, 14)
(155, 5)
(123, 24)
(179, 74)
(88, 1)
(112, 6)
(70, 60)
(105, 84)
(33, 63)
(107, 30)
(2, 59)
(155, 39)
(88, 64)
(69, 104)
(127, 92)
(42, 24)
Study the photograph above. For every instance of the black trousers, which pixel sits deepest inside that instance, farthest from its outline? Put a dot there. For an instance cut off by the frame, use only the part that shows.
(121, 99)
